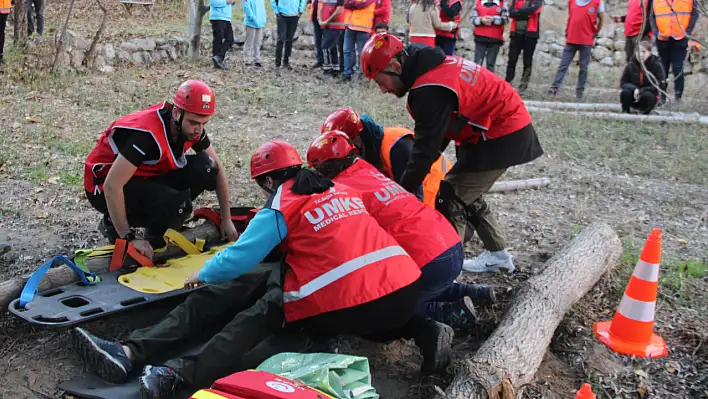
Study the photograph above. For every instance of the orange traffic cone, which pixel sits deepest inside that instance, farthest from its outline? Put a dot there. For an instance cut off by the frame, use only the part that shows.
(585, 392)
(630, 331)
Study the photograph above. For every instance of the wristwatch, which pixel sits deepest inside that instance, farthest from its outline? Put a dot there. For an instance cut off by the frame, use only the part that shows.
(129, 237)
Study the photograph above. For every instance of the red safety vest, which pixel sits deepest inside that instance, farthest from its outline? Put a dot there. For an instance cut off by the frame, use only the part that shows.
(582, 23)
(431, 184)
(532, 25)
(421, 230)
(633, 20)
(325, 8)
(489, 107)
(492, 31)
(339, 256)
(444, 18)
(101, 158)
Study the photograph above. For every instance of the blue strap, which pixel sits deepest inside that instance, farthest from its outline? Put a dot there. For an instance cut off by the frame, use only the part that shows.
(30, 288)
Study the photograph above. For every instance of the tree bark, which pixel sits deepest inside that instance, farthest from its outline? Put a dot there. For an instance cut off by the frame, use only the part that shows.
(197, 9)
(609, 107)
(63, 275)
(513, 185)
(60, 46)
(92, 49)
(670, 118)
(511, 356)
(20, 24)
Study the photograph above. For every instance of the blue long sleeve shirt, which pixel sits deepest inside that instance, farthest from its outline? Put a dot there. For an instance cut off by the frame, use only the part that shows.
(220, 10)
(265, 231)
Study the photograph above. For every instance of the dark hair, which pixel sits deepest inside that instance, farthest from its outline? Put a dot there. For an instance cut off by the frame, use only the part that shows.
(426, 4)
(333, 167)
(381, 25)
(306, 181)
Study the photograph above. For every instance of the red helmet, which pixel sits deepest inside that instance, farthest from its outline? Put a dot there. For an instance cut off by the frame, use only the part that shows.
(331, 145)
(196, 97)
(344, 120)
(273, 155)
(378, 52)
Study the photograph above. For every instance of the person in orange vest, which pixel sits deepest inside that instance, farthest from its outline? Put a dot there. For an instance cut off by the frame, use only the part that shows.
(138, 174)
(633, 21)
(453, 99)
(672, 22)
(424, 233)
(489, 18)
(360, 20)
(5, 8)
(524, 35)
(387, 148)
(332, 19)
(450, 10)
(585, 19)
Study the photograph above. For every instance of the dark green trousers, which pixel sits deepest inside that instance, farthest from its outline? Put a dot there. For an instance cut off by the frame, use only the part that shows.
(237, 315)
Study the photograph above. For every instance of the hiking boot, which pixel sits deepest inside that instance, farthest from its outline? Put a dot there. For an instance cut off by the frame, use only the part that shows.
(435, 343)
(107, 359)
(460, 314)
(287, 66)
(159, 382)
(480, 294)
(579, 93)
(552, 92)
(219, 63)
(258, 64)
(490, 262)
(105, 226)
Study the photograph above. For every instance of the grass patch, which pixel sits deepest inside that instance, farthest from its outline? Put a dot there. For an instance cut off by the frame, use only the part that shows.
(37, 173)
(70, 178)
(70, 147)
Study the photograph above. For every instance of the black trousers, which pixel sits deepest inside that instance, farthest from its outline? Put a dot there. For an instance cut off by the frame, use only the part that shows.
(672, 53)
(35, 14)
(3, 22)
(237, 315)
(223, 38)
(647, 98)
(488, 51)
(162, 202)
(518, 44)
(286, 31)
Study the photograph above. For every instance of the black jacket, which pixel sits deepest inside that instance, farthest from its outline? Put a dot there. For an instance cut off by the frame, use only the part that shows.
(634, 74)
(432, 107)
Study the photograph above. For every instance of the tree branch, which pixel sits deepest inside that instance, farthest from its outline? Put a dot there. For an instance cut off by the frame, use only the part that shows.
(60, 46)
(89, 58)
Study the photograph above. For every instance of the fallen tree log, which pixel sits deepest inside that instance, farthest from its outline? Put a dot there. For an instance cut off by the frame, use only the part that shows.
(609, 107)
(685, 118)
(63, 275)
(510, 357)
(512, 185)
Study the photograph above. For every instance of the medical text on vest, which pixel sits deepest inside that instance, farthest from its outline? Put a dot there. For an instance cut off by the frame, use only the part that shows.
(333, 210)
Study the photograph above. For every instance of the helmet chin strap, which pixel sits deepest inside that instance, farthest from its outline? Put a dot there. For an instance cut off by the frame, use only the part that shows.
(180, 132)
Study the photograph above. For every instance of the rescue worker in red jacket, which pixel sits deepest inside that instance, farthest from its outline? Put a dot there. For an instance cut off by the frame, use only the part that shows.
(488, 18)
(633, 21)
(585, 20)
(451, 98)
(138, 175)
(450, 10)
(387, 148)
(423, 232)
(524, 35)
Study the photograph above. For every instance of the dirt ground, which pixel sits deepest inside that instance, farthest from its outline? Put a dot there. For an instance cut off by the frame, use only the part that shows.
(633, 176)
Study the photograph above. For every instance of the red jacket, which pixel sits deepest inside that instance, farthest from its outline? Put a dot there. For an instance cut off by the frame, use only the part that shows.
(633, 20)
(582, 23)
(382, 13)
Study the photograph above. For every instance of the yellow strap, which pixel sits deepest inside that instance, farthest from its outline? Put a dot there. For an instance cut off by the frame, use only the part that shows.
(187, 246)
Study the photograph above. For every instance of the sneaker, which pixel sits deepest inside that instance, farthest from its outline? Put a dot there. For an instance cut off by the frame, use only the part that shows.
(258, 64)
(248, 64)
(159, 382)
(490, 262)
(345, 79)
(107, 359)
(435, 343)
(480, 294)
(317, 64)
(288, 67)
(460, 314)
(219, 63)
(579, 94)
(552, 92)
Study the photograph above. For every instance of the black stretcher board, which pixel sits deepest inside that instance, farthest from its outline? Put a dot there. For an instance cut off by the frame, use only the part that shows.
(91, 386)
(76, 303)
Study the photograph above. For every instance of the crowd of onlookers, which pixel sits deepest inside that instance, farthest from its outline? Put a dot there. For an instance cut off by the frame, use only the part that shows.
(35, 17)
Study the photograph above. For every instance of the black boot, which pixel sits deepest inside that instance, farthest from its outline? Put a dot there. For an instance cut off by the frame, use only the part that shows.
(460, 314)
(286, 56)
(525, 78)
(278, 53)
(105, 226)
(435, 342)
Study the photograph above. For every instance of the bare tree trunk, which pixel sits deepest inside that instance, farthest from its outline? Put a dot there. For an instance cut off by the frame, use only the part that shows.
(511, 356)
(194, 34)
(63, 275)
(513, 185)
(20, 24)
(92, 49)
(671, 118)
(609, 107)
(60, 46)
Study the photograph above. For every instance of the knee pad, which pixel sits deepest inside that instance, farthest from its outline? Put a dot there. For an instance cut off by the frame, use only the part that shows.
(173, 212)
(205, 172)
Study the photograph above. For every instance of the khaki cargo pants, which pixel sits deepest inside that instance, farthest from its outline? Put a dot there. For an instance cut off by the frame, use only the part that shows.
(470, 187)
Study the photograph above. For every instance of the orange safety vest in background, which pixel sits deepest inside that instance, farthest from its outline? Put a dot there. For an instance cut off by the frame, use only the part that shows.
(361, 20)
(672, 24)
(431, 184)
(5, 7)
